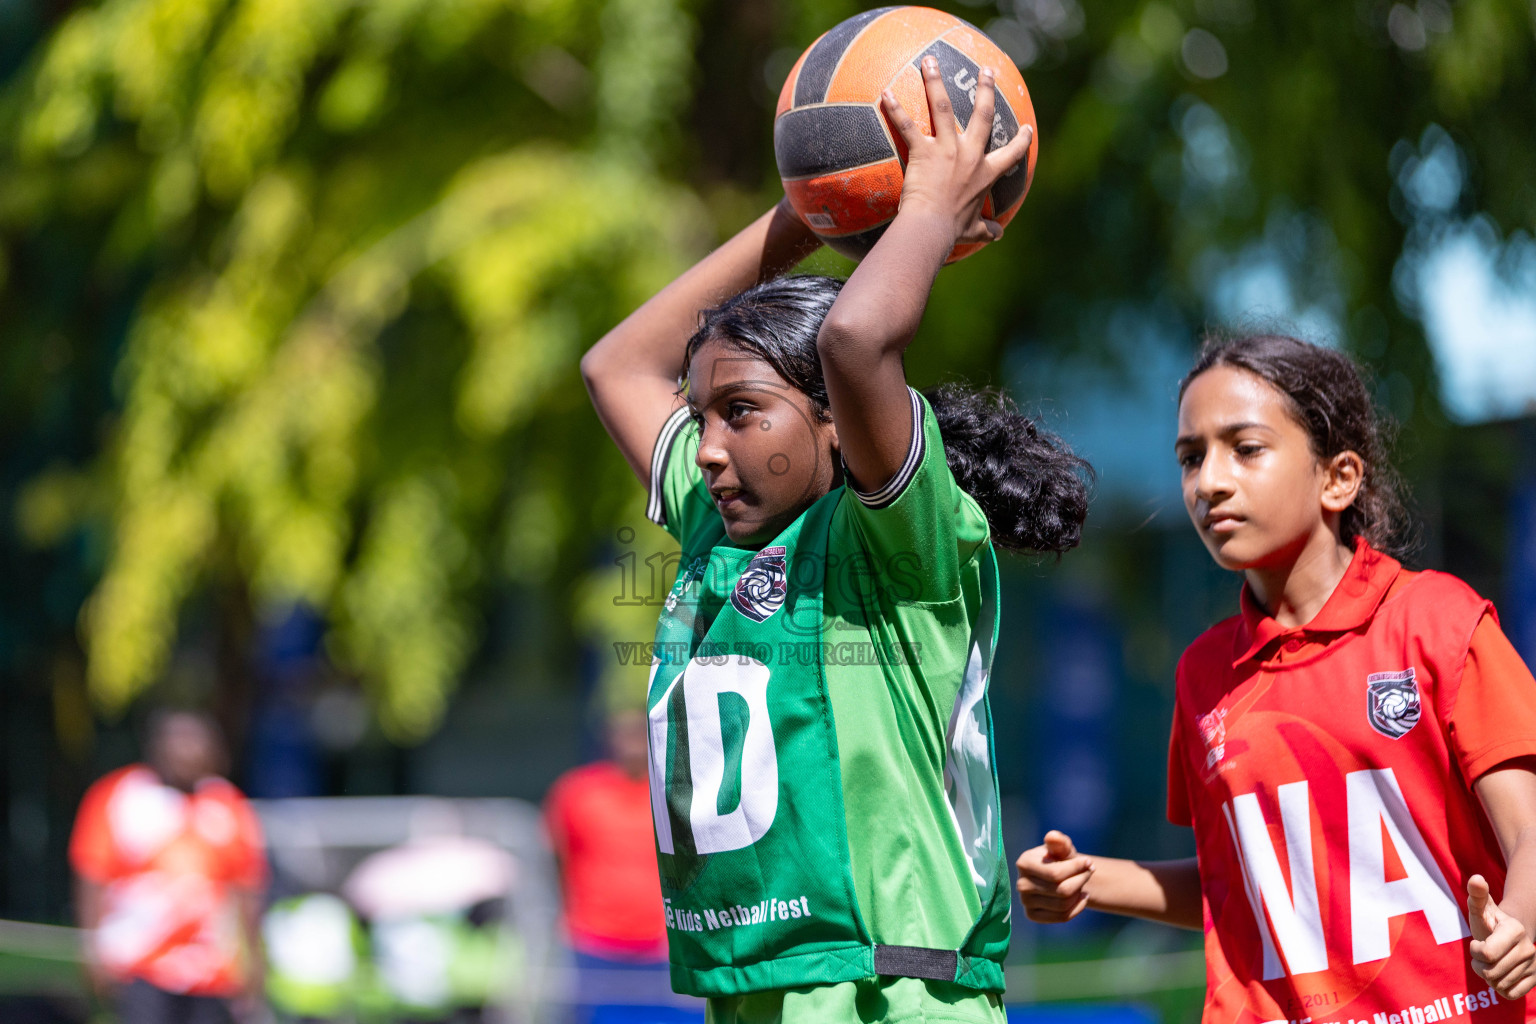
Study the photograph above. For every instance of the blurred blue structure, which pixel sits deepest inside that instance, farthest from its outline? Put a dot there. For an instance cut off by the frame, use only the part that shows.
(282, 755)
(1106, 1013)
(1519, 610)
(1075, 724)
(646, 1015)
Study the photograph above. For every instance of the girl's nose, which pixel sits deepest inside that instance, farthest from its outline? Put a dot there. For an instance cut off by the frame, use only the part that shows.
(1212, 483)
(711, 454)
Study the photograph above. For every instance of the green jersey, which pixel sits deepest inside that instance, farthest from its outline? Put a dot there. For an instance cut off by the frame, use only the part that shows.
(907, 821)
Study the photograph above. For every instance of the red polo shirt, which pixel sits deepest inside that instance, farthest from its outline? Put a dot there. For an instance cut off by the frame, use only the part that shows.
(172, 866)
(1327, 771)
(599, 822)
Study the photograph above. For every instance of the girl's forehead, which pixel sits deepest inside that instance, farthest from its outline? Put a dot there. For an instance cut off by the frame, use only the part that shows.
(719, 364)
(1228, 394)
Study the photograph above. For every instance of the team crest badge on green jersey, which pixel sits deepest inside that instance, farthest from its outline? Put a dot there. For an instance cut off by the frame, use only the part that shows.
(763, 585)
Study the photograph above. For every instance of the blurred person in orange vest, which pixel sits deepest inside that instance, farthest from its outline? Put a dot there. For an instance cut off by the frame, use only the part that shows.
(599, 821)
(170, 870)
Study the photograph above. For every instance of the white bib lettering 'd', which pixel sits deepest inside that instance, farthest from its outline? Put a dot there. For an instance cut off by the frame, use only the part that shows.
(749, 820)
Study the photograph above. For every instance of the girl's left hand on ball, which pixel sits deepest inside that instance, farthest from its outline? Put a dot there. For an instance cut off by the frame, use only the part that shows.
(1502, 952)
(950, 172)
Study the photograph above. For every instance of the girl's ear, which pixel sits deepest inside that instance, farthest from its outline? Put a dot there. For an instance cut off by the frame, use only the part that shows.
(1343, 476)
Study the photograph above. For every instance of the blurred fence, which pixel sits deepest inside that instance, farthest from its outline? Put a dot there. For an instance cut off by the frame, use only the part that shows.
(1037, 993)
(396, 908)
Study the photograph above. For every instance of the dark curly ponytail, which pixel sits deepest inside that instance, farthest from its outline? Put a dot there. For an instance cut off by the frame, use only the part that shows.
(1033, 490)
(1031, 487)
(1329, 399)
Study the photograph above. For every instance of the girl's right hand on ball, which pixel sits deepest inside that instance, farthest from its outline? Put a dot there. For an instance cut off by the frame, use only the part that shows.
(950, 172)
(1053, 880)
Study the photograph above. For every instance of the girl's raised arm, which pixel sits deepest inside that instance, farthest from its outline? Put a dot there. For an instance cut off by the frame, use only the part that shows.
(632, 372)
(877, 313)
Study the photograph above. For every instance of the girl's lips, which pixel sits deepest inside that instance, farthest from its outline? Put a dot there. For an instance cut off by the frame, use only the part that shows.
(1223, 524)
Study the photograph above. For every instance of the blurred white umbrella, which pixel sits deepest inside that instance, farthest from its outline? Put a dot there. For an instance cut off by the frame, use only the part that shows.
(437, 875)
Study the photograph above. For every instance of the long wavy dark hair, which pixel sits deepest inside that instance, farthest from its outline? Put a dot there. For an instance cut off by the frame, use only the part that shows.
(1032, 488)
(1328, 397)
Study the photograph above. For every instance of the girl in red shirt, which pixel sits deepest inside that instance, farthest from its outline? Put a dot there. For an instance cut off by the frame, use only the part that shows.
(1356, 750)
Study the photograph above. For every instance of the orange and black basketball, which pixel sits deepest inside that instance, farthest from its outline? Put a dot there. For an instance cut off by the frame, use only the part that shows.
(839, 158)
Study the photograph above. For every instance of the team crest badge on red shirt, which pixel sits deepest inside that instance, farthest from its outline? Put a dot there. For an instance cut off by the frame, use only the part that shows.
(763, 585)
(1392, 702)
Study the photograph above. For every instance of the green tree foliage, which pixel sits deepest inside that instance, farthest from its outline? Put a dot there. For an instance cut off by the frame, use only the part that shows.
(340, 258)
(362, 246)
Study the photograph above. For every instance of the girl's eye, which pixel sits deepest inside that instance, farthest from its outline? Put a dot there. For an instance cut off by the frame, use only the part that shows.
(696, 416)
(736, 410)
(1249, 450)
(1189, 460)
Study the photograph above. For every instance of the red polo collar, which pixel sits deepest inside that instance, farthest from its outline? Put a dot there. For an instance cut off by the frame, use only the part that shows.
(1351, 605)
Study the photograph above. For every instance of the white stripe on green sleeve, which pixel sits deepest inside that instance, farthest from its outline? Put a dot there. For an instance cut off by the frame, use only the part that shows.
(883, 496)
(656, 506)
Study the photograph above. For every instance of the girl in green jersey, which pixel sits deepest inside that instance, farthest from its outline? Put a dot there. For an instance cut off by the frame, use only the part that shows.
(822, 776)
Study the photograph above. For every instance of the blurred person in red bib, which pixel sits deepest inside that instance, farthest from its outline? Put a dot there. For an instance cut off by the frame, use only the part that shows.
(599, 821)
(169, 867)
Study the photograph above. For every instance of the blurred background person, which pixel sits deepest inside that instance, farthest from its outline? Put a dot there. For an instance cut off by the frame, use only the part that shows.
(599, 822)
(170, 869)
